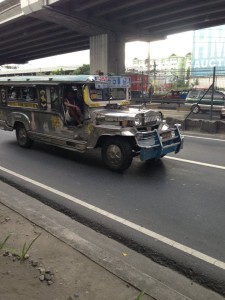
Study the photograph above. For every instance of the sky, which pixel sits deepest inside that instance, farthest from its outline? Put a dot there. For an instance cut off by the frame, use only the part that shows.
(179, 44)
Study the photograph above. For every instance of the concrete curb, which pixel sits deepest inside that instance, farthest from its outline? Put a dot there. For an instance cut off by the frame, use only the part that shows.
(204, 126)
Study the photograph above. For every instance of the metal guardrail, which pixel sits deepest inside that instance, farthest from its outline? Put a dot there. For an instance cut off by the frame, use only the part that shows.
(160, 100)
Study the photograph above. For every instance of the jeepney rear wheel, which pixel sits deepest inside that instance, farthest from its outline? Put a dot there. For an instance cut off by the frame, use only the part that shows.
(117, 154)
(22, 137)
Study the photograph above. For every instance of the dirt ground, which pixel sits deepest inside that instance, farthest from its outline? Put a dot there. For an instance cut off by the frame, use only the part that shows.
(72, 275)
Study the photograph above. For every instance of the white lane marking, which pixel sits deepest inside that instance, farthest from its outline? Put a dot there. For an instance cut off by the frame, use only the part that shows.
(203, 138)
(195, 162)
(129, 224)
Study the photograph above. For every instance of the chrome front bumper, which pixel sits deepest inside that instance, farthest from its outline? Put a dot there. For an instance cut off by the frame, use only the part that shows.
(155, 145)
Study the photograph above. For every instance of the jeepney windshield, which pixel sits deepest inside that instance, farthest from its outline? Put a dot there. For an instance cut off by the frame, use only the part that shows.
(97, 94)
(118, 93)
(106, 94)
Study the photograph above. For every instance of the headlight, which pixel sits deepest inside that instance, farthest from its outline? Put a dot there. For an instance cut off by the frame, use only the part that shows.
(163, 126)
(138, 120)
(152, 119)
(158, 119)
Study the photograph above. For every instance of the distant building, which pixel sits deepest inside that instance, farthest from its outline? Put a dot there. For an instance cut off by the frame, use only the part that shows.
(164, 72)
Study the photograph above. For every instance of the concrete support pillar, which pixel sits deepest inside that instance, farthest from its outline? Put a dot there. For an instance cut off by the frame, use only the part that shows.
(107, 54)
(30, 6)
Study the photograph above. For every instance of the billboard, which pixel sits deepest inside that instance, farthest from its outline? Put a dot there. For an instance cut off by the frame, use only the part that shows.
(208, 51)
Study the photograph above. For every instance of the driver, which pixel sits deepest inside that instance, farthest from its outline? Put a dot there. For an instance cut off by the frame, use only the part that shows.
(73, 108)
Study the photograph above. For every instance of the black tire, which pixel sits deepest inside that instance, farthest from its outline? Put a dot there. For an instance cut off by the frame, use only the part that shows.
(195, 108)
(117, 154)
(22, 137)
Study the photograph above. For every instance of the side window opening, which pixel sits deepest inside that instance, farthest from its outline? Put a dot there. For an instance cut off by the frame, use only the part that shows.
(118, 93)
(3, 95)
(208, 95)
(14, 93)
(73, 101)
(56, 104)
(218, 95)
(22, 93)
(193, 94)
(96, 94)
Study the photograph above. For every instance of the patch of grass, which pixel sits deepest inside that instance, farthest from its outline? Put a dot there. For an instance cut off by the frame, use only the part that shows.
(26, 248)
(140, 295)
(2, 244)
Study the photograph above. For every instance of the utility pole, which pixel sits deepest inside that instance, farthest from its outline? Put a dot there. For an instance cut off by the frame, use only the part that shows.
(148, 71)
(148, 65)
(154, 74)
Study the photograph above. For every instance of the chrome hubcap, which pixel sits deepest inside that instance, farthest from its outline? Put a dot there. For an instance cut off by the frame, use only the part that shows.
(114, 154)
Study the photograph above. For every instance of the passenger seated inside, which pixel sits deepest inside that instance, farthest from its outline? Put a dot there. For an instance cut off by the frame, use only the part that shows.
(74, 108)
(13, 95)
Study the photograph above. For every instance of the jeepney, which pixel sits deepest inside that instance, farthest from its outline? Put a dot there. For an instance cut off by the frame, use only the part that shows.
(33, 106)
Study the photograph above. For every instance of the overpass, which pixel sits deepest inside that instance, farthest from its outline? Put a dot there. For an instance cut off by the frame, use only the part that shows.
(32, 29)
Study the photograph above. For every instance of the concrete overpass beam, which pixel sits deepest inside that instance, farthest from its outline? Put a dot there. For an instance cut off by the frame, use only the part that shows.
(107, 54)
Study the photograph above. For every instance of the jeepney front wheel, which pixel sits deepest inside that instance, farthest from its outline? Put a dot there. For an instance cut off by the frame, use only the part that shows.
(22, 137)
(117, 154)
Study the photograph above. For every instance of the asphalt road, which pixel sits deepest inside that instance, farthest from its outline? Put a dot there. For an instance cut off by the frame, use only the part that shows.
(170, 210)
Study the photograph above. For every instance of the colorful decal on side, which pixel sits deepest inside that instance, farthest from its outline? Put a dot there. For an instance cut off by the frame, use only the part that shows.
(3, 95)
(43, 101)
(22, 104)
(56, 122)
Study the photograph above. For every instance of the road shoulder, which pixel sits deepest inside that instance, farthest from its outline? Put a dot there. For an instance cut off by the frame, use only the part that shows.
(100, 252)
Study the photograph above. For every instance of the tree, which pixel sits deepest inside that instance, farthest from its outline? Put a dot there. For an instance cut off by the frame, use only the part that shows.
(11, 66)
(58, 72)
(135, 61)
(196, 82)
(188, 72)
(83, 70)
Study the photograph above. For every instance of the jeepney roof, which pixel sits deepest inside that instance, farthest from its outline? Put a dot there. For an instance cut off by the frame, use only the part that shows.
(47, 79)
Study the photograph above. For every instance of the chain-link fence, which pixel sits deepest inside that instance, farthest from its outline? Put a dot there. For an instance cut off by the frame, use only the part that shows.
(206, 98)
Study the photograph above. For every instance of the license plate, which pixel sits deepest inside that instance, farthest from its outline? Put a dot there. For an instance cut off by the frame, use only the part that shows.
(166, 135)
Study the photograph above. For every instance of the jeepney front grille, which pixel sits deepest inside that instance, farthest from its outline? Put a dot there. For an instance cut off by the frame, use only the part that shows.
(150, 119)
(147, 135)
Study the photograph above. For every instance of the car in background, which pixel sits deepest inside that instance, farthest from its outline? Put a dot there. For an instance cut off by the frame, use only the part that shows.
(199, 99)
(176, 96)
